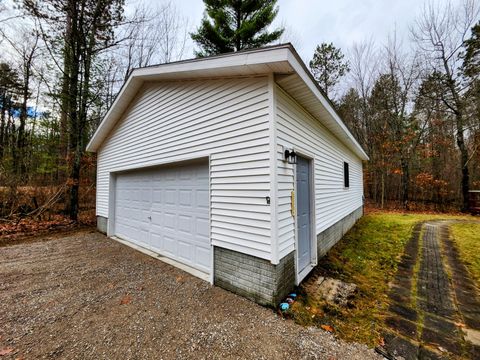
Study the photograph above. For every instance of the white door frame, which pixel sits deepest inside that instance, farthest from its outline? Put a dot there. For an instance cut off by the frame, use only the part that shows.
(300, 275)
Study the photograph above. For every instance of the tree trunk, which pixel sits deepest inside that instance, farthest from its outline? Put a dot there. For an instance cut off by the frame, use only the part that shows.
(85, 46)
(19, 160)
(64, 100)
(237, 40)
(464, 162)
(3, 125)
(459, 113)
(75, 186)
(405, 182)
(383, 191)
(71, 100)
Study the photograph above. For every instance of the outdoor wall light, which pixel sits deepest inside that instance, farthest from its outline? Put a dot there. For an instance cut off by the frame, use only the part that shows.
(290, 156)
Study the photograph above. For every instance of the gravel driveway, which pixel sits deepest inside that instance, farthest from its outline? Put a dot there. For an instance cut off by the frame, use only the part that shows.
(88, 297)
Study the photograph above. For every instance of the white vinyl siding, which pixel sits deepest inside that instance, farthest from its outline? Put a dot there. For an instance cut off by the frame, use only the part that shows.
(299, 130)
(226, 120)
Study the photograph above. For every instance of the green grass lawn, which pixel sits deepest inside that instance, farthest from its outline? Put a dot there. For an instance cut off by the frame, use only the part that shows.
(467, 239)
(367, 256)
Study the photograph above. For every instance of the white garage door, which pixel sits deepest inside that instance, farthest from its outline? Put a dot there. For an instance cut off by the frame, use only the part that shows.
(166, 210)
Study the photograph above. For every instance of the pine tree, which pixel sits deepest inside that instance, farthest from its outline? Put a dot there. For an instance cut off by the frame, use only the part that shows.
(350, 108)
(10, 89)
(328, 66)
(233, 25)
(471, 57)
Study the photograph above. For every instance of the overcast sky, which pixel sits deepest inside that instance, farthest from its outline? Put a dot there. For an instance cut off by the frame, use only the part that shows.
(342, 22)
(311, 22)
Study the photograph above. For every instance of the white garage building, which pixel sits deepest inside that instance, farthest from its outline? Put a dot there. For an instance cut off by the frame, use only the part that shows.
(235, 166)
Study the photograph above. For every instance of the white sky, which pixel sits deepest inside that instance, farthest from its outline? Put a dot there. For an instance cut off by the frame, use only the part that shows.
(342, 22)
(311, 22)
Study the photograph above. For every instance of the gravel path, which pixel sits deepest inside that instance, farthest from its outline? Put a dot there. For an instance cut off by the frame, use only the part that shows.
(84, 296)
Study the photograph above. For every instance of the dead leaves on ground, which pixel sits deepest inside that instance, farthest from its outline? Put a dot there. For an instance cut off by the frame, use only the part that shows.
(127, 299)
(25, 226)
(6, 351)
(11, 232)
(381, 341)
(328, 328)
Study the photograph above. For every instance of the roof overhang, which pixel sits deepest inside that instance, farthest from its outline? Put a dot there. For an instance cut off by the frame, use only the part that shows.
(282, 60)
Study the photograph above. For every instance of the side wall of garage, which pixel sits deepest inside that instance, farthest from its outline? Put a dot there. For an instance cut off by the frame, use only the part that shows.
(226, 120)
(335, 205)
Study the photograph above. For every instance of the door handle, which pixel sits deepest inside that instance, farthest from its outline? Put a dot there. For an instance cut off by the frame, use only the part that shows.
(149, 218)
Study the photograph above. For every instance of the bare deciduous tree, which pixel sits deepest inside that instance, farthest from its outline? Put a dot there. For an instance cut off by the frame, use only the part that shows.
(363, 66)
(289, 35)
(363, 59)
(153, 35)
(440, 33)
(404, 67)
(28, 49)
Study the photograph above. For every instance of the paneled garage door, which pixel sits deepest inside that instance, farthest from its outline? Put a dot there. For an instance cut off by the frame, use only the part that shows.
(166, 210)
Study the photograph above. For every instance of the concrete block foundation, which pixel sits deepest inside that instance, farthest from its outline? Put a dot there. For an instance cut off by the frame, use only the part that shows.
(260, 280)
(329, 237)
(102, 224)
(254, 278)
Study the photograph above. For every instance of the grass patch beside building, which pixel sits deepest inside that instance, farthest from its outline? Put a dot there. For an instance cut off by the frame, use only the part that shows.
(368, 256)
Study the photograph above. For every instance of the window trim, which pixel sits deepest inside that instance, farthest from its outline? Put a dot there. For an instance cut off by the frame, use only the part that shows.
(346, 175)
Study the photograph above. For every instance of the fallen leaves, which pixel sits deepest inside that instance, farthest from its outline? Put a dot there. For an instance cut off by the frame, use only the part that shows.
(127, 299)
(30, 225)
(6, 351)
(13, 232)
(327, 328)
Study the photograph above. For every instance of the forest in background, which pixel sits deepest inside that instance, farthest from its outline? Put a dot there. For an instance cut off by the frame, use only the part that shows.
(417, 113)
(413, 104)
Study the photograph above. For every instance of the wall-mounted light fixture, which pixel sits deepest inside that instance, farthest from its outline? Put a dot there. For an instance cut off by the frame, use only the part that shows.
(290, 156)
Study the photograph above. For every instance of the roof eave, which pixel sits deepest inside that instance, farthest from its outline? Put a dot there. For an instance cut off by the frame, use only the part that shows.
(252, 62)
(222, 65)
(307, 78)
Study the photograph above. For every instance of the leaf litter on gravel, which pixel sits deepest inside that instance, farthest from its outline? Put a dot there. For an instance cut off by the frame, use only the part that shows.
(6, 351)
(127, 299)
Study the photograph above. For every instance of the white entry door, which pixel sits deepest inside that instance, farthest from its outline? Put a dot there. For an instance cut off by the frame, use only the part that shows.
(166, 210)
(303, 214)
